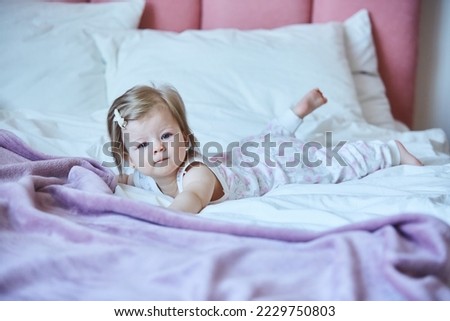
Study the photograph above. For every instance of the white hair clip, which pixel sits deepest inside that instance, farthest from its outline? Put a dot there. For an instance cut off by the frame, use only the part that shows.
(119, 119)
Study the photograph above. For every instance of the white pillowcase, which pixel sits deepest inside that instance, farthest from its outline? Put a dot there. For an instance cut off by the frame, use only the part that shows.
(364, 65)
(228, 77)
(48, 62)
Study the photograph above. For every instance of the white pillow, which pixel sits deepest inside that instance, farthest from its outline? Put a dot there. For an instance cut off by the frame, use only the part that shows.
(228, 77)
(47, 60)
(364, 65)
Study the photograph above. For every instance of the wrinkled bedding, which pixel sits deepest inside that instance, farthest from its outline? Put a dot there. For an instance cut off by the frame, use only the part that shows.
(65, 236)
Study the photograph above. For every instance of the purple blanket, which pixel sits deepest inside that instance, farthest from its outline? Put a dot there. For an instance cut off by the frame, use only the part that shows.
(65, 236)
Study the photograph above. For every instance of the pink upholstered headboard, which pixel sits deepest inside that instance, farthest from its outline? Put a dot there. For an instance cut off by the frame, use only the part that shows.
(395, 24)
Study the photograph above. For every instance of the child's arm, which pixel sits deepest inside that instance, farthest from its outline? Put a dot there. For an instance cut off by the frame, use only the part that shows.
(198, 188)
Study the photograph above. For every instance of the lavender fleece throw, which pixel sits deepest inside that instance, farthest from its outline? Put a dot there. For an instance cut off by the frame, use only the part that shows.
(65, 236)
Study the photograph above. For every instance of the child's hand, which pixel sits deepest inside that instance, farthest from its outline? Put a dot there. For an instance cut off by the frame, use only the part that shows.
(122, 179)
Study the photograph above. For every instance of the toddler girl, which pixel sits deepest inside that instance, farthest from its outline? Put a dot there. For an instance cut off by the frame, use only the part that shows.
(150, 127)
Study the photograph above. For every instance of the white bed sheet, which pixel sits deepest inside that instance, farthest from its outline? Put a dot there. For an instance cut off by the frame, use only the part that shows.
(402, 189)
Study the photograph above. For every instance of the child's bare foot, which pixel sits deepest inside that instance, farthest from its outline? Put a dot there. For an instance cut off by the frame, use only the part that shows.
(406, 158)
(312, 100)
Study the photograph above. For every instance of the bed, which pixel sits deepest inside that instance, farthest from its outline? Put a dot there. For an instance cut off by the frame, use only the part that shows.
(68, 231)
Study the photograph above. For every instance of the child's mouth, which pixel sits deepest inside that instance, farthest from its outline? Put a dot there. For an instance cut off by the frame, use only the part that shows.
(160, 162)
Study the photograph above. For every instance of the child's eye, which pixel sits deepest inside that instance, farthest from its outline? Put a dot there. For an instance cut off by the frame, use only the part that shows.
(166, 136)
(142, 145)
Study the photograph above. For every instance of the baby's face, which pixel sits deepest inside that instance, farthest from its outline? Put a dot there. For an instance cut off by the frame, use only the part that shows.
(155, 144)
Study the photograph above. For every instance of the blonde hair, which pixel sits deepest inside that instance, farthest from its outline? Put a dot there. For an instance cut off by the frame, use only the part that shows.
(137, 102)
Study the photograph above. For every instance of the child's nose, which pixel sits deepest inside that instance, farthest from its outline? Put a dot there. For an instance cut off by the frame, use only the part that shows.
(158, 147)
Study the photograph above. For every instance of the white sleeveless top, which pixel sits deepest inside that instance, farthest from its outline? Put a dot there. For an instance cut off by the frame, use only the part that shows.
(149, 184)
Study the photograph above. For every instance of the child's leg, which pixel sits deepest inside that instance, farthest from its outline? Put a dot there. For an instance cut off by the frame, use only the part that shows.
(288, 122)
(406, 157)
(351, 161)
(311, 101)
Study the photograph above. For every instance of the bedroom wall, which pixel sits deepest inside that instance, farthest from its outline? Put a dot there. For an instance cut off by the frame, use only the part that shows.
(432, 101)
